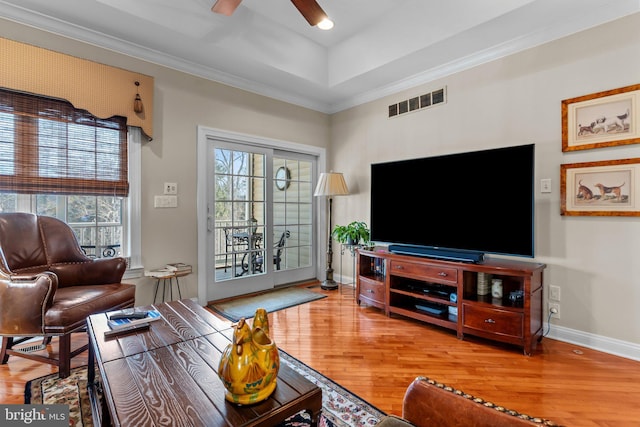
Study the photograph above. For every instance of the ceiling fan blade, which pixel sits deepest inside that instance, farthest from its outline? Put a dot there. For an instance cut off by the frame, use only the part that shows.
(225, 7)
(311, 11)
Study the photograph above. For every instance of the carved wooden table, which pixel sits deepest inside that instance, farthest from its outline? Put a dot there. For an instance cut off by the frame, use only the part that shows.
(166, 375)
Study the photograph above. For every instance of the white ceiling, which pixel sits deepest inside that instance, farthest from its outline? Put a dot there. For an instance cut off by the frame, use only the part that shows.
(377, 47)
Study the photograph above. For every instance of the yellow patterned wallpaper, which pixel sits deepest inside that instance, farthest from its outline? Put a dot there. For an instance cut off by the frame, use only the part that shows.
(100, 89)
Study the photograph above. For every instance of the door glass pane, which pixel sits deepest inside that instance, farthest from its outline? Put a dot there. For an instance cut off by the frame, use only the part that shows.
(239, 213)
(292, 213)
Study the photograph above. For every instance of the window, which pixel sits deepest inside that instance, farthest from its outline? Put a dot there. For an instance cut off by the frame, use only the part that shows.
(97, 221)
(60, 161)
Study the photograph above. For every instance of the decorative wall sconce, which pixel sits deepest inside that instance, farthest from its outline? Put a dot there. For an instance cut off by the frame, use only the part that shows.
(137, 103)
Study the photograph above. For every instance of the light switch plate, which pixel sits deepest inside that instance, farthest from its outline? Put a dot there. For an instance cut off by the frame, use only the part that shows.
(165, 201)
(545, 185)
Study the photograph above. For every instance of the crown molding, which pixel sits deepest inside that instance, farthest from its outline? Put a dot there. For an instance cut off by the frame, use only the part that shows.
(602, 11)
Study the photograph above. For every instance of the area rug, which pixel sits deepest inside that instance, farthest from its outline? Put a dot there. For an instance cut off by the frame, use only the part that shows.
(271, 301)
(340, 408)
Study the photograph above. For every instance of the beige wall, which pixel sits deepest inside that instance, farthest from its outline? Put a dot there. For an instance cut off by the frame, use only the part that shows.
(513, 101)
(181, 103)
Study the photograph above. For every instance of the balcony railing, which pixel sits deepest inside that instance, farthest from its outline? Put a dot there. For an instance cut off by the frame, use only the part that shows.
(99, 241)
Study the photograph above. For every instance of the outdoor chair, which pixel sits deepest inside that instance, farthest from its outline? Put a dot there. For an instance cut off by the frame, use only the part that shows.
(279, 248)
(48, 287)
(277, 254)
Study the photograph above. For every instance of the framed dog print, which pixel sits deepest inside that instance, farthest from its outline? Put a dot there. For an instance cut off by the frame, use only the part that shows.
(602, 119)
(607, 188)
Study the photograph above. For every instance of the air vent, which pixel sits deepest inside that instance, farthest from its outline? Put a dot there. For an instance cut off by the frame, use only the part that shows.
(420, 102)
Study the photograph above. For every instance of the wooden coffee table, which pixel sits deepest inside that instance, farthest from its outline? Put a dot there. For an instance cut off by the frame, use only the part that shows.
(166, 375)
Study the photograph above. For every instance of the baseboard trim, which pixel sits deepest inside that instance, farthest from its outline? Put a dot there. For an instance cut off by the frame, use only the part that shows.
(601, 343)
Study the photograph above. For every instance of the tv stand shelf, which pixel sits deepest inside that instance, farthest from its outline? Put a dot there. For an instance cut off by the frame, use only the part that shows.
(445, 293)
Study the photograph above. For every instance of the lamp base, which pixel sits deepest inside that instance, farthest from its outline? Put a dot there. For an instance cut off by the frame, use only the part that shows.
(329, 285)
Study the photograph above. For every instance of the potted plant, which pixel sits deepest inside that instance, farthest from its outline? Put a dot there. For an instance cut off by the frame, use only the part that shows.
(351, 234)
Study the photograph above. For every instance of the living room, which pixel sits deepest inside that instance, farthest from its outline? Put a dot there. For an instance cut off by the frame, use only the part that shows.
(512, 100)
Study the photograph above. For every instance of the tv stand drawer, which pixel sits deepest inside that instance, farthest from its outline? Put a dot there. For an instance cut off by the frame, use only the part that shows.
(424, 271)
(499, 322)
(371, 292)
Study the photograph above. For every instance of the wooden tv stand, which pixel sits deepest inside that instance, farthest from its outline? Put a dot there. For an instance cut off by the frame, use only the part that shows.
(422, 288)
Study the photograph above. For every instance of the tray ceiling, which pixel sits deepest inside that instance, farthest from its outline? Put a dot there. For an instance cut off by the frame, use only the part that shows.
(376, 48)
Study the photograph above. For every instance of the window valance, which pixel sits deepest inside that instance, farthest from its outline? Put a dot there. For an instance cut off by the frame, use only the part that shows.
(102, 90)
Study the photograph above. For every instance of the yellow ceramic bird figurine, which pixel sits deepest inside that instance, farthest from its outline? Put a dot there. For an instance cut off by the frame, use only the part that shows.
(249, 365)
(261, 320)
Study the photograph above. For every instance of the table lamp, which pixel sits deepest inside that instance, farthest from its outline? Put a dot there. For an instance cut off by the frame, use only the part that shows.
(330, 184)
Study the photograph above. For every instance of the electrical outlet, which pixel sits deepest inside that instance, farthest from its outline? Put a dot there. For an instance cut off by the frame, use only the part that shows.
(170, 188)
(554, 293)
(554, 309)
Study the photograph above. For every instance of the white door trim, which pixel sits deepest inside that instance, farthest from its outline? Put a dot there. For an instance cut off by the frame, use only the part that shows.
(204, 134)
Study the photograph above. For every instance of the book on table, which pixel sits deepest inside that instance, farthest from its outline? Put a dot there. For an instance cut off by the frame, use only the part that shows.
(179, 267)
(123, 322)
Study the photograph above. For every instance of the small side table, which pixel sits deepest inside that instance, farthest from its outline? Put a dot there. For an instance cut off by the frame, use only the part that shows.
(168, 277)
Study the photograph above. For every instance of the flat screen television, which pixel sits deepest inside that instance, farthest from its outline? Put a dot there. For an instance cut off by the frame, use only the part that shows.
(474, 202)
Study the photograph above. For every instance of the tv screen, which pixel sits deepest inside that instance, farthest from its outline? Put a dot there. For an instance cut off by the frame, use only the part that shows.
(475, 201)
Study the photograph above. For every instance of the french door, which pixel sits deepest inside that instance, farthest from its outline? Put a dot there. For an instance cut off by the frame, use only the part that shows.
(260, 217)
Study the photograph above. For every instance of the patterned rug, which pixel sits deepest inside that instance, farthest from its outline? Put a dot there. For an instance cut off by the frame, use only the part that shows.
(340, 408)
(271, 301)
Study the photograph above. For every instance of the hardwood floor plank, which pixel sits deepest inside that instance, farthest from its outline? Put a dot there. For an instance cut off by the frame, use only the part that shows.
(376, 357)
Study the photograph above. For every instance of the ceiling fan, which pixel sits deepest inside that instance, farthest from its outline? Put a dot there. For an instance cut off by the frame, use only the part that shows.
(310, 9)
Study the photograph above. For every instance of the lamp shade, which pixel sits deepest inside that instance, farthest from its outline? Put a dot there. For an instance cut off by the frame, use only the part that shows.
(331, 184)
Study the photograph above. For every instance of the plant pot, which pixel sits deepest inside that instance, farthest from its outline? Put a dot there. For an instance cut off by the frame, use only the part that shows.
(351, 242)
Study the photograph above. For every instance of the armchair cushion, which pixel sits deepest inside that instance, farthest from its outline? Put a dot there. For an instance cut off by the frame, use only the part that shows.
(73, 304)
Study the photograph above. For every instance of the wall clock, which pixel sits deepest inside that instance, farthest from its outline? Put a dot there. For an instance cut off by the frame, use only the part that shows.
(283, 175)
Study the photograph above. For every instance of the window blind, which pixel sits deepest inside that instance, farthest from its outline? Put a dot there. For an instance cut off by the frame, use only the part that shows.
(49, 147)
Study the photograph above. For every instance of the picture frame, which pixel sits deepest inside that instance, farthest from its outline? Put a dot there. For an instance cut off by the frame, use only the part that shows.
(602, 188)
(603, 119)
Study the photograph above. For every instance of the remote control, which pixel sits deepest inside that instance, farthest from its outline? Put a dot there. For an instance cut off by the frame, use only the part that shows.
(129, 315)
(126, 330)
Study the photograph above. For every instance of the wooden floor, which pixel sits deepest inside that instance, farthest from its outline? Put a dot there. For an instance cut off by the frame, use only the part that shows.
(376, 357)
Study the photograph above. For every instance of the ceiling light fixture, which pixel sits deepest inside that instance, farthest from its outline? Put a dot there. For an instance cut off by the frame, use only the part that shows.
(325, 24)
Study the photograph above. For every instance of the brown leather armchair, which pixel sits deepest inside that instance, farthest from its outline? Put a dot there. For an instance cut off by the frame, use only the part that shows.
(48, 287)
(430, 403)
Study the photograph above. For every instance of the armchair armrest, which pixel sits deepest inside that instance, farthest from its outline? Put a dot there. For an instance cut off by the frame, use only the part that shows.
(98, 271)
(429, 403)
(23, 302)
